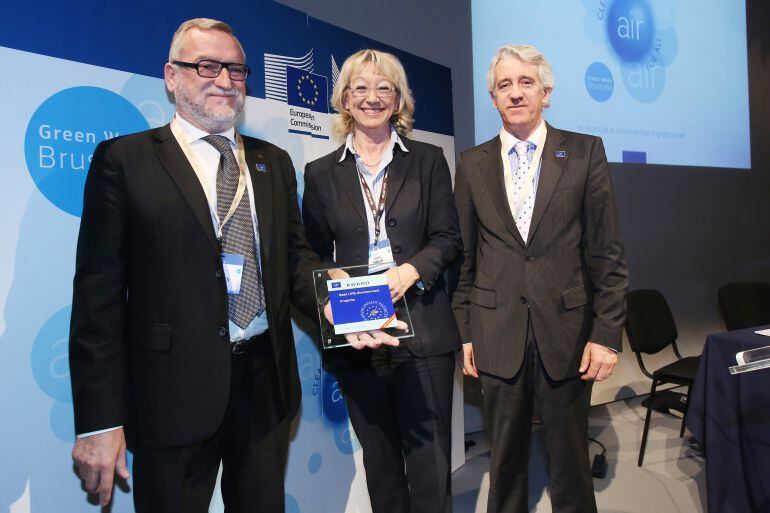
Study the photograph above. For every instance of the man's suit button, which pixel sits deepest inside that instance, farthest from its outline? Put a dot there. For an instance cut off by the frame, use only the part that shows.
(222, 331)
(529, 259)
(218, 273)
(359, 229)
(523, 300)
(359, 255)
(396, 249)
(392, 222)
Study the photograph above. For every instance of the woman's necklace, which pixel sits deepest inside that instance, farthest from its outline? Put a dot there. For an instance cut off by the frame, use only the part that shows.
(373, 164)
(367, 164)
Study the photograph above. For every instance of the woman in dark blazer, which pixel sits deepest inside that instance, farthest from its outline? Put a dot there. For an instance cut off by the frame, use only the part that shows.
(399, 397)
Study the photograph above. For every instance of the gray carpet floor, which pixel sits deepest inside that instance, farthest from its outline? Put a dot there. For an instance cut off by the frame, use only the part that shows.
(672, 479)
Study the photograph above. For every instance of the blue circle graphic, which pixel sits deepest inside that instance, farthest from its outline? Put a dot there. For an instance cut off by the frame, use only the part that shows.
(63, 421)
(630, 29)
(314, 463)
(599, 82)
(333, 403)
(345, 439)
(62, 134)
(50, 358)
(310, 375)
(644, 83)
(667, 47)
(290, 505)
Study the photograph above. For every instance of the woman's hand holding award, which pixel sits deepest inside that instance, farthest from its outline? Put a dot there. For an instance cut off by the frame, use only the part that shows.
(357, 309)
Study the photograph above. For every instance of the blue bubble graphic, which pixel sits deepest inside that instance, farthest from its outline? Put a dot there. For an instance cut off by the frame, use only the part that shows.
(291, 505)
(148, 94)
(50, 358)
(644, 83)
(62, 134)
(310, 375)
(314, 463)
(345, 439)
(334, 408)
(63, 421)
(667, 46)
(599, 82)
(630, 29)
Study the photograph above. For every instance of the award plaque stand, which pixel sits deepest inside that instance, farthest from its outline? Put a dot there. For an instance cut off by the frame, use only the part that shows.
(751, 360)
(359, 301)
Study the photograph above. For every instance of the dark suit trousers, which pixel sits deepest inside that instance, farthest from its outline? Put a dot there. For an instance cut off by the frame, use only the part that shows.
(251, 443)
(563, 410)
(401, 410)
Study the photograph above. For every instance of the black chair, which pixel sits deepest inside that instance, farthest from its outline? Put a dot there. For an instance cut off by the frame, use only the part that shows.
(745, 304)
(650, 329)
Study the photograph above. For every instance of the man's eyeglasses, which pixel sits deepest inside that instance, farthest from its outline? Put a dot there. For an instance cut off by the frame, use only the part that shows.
(212, 69)
(382, 91)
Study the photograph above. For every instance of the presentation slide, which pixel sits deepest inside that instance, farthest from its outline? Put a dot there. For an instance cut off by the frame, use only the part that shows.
(660, 81)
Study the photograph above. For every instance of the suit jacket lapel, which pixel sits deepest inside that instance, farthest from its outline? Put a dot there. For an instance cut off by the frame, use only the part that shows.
(397, 171)
(492, 171)
(262, 185)
(550, 173)
(347, 177)
(178, 167)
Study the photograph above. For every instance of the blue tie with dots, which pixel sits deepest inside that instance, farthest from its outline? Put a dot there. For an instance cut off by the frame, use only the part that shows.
(524, 193)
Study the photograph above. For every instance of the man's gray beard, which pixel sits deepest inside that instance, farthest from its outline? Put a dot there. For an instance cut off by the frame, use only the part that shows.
(211, 122)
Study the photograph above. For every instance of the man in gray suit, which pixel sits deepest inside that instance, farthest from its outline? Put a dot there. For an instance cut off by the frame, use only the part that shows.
(540, 302)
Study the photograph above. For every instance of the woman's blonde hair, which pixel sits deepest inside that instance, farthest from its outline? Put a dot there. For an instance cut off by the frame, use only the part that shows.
(386, 64)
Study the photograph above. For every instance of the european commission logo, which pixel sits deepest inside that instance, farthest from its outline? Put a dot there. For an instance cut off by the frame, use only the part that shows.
(308, 90)
(292, 80)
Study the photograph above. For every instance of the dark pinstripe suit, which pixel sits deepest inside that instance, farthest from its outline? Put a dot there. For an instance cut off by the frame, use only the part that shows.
(562, 288)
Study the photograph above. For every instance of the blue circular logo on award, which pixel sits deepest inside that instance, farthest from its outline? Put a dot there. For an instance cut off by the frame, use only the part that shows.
(373, 310)
(630, 28)
(63, 133)
(599, 82)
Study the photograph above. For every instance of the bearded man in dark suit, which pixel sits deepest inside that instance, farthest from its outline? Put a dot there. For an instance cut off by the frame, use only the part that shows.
(190, 249)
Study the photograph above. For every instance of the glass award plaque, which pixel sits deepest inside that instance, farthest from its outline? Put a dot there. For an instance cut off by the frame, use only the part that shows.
(751, 360)
(358, 301)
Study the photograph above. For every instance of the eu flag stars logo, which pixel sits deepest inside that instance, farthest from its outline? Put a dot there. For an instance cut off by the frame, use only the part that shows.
(307, 90)
(307, 95)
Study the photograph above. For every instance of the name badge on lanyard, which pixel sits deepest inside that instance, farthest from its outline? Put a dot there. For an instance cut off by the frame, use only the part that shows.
(233, 268)
(380, 254)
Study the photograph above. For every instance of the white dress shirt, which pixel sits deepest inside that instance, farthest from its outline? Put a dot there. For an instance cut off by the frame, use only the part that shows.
(511, 159)
(374, 179)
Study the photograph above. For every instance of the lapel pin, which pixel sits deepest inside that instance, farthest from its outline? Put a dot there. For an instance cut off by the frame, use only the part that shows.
(560, 154)
(261, 167)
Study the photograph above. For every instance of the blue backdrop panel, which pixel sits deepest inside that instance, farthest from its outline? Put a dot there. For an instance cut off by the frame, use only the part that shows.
(122, 36)
(87, 71)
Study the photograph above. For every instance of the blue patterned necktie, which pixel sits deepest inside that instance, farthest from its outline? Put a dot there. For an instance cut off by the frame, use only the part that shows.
(524, 194)
(238, 236)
